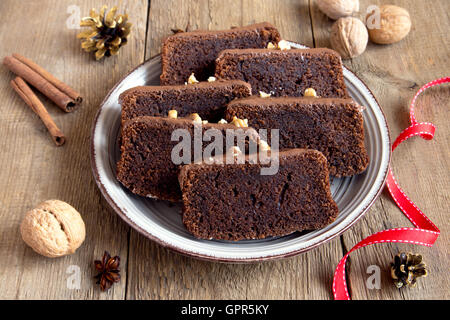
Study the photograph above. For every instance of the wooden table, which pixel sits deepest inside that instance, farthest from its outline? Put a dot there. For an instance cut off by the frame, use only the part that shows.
(33, 169)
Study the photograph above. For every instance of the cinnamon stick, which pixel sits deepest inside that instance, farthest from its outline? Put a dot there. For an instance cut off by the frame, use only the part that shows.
(50, 78)
(60, 98)
(27, 95)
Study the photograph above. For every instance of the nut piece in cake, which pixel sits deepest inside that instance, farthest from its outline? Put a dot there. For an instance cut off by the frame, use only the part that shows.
(192, 79)
(173, 114)
(195, 118)
(263, 94)
(242, 123)
(310, 92)
(284, 45)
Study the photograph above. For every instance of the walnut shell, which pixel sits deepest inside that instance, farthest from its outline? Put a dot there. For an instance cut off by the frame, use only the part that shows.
(349, 37)
(395, 24)
(53, 229)
(336, 9)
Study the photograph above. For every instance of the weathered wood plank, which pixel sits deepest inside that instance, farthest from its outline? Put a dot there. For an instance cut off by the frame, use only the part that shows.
(35, 170)
(38, 30)
(394, 73)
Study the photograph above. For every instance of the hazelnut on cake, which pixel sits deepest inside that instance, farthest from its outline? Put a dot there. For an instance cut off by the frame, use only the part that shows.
(333, 126)
(195, 52)
(235, 202)
(285, 72)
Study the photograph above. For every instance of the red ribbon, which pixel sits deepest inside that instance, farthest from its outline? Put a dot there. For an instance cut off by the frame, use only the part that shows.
(425, 233)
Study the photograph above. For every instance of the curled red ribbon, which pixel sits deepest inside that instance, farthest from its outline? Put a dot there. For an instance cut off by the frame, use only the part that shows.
(425, 233)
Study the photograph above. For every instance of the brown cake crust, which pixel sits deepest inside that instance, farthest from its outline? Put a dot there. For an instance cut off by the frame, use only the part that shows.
(195, 52)
(285, 72)
(235, 202)
(145, 166)
(331, 125)
(208, 99)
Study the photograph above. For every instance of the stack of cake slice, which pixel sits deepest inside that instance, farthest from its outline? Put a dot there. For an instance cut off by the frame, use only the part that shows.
(318, 136)
(285, 72)
(333, 126)
(148, 164)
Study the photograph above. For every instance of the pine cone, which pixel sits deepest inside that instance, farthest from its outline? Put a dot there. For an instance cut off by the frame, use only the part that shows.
(406, 268)
(107, 33)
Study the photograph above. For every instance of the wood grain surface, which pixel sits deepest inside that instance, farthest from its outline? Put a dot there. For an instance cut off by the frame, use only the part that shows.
(34, 170)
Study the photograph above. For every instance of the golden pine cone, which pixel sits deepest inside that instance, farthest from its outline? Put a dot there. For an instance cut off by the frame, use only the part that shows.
(107, 32)
(406, 268)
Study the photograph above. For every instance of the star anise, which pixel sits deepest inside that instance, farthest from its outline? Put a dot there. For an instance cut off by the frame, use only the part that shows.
(108, 269)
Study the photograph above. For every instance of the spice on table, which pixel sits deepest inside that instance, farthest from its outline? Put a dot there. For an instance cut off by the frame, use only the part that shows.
(406, 268)
(107, 33)
(109, 272)
(27, 95)
(57, 91)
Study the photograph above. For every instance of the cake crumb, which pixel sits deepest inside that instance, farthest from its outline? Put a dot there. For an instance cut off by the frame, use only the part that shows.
(212, 79)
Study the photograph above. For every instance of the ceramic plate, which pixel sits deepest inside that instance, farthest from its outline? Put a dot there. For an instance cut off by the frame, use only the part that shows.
(161, 221)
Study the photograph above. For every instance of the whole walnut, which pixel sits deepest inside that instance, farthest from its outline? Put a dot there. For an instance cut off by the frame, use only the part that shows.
(53, 229)
(394, 25)
(349, 37)
(336, 9)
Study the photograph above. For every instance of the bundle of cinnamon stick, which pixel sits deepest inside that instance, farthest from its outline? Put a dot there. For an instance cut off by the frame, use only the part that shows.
(60, 93)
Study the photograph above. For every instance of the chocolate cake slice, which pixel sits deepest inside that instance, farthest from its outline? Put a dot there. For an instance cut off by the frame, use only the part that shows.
(208, 99)
(285, 72)
(146, 167)
(195, 52)
(331, 125)
(235, 202)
